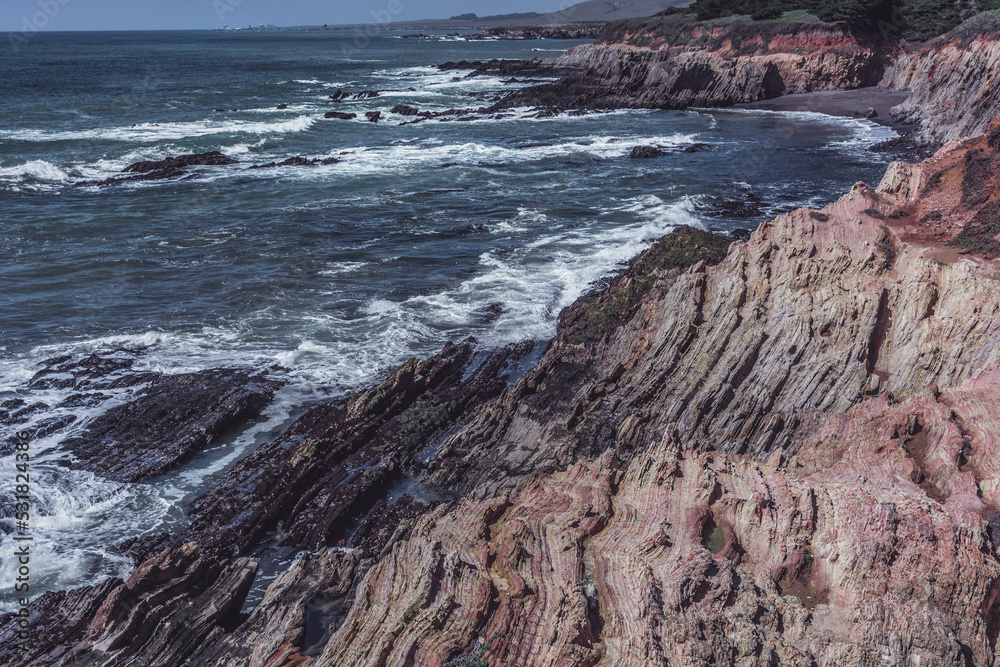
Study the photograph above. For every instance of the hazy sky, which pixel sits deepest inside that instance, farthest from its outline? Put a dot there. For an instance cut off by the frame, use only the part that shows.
(27, 15)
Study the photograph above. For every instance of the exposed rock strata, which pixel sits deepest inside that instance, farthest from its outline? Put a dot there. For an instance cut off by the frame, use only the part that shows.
(781, 454)
(953, 80)
(176, 417)
(864, 539)
(673, 63)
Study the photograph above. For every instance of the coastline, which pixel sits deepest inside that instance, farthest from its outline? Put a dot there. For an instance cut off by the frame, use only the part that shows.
(746, 430)
(844, 103)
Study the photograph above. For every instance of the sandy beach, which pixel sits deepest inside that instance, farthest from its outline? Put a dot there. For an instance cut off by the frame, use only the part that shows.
(840, 103)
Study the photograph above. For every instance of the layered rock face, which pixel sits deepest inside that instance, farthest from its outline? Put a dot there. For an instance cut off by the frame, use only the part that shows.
(780, 451)
(672, 62)
(781, 454)
(953, 82)
(867, 536)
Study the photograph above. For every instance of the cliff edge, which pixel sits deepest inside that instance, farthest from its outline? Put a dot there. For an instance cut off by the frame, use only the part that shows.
(780, 453)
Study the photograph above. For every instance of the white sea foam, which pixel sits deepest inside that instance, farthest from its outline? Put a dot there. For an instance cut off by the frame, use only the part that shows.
(39, 170)
(147, 132)
(404, 157)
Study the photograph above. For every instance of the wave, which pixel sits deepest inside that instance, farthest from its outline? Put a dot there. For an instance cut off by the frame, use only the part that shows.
(148, 132)
(39, 170)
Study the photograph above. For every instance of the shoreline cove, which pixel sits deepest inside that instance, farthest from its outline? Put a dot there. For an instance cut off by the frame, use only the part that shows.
(616, 348)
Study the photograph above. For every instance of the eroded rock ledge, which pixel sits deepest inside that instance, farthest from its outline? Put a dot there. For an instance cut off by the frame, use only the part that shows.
(673, 62)
(781, 453)
(768, 450)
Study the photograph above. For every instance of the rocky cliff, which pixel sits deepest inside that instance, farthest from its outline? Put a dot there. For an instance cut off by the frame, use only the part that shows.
(783, 452)
(674, 62)
(953, 81)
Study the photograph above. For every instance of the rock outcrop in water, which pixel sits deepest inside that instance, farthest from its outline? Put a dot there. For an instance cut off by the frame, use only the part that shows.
(172, 420)
(170, 167)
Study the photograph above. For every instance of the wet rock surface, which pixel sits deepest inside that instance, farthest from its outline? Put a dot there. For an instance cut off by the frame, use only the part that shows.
(645, 152)
(171, 167)
(297, 161)
(173, 419)
(340, 115)
(335, 465)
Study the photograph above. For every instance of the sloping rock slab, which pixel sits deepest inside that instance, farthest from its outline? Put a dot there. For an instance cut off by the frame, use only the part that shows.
(177, 416)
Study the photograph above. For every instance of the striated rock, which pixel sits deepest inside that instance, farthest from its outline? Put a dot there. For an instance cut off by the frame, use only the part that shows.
(338, 462)
(859, 534)
(404, 110)
(673, 62)
(952, 80)
(297, 615)
(177, 416)
(373, 116)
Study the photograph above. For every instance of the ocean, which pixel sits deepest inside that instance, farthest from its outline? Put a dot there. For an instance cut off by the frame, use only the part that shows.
(327, 275)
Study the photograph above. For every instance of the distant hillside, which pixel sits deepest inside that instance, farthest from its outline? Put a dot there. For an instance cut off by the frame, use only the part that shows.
(592, 10)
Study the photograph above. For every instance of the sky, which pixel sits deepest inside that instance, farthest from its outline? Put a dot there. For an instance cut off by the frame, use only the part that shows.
(27, 16)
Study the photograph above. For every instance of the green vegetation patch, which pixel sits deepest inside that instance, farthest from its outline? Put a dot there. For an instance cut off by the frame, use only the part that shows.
(914, 20)
(600, 313)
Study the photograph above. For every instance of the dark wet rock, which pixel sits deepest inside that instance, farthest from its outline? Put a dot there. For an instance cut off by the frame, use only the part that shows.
(870, 113)
(404, 110)
(144, 547)
(20, 413)
(339, 460)
(173, 419)
(493, 67)
(366, 95)
(741, 234)
(58, 621)
(695, 148)
(750, 207)
(171, 167)
(282, 106)
(644, 152)
(107, 369)
(194, 159)
(52, 425)
(339, 96)
(340, 115)
(373, 116)
(296, 162)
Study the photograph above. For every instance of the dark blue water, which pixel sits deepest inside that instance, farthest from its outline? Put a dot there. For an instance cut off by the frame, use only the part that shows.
(337, 272)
